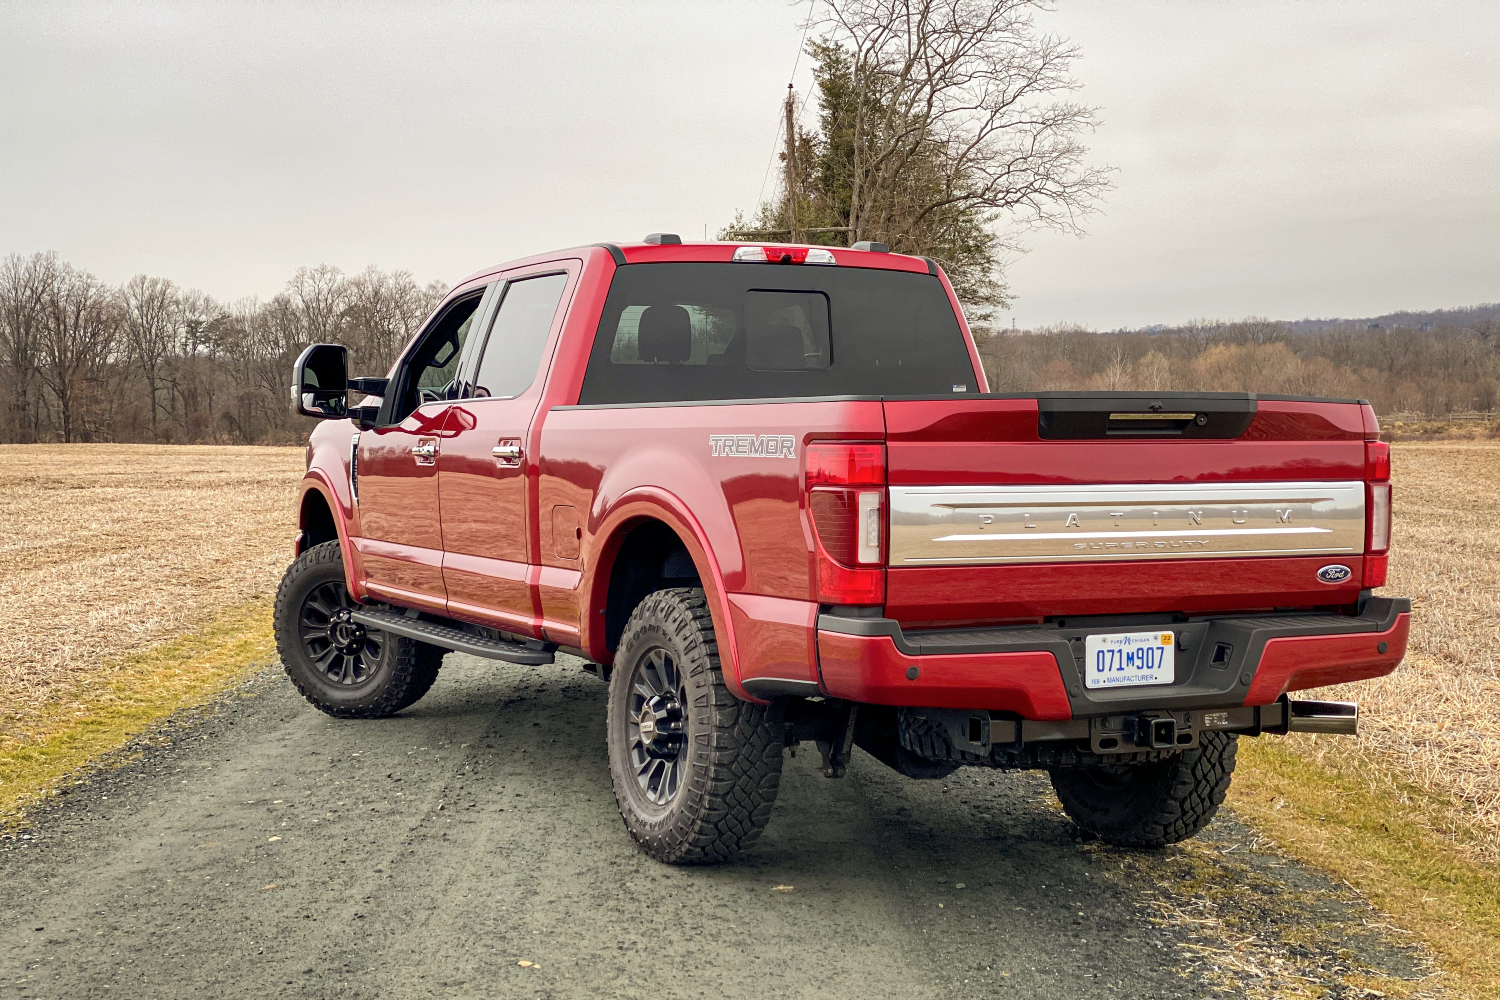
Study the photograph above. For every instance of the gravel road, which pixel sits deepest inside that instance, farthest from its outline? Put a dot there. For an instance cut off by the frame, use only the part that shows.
(258, 848)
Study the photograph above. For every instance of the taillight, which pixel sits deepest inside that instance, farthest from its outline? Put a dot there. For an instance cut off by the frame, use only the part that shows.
(846, 500)
(1380, 517)
(784, 255)
(1378, 512)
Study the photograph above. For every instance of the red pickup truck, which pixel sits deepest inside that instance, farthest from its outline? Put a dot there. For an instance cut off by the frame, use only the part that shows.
(765, 493)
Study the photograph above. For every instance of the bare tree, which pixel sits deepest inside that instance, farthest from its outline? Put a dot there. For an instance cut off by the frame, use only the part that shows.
(321, 294)
(969, 94)
(153, 324)
(26, 283)
(79, 337)
(383, 313)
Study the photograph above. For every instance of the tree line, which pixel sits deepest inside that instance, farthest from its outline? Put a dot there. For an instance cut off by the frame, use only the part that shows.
(1447, 364)
(149, 361)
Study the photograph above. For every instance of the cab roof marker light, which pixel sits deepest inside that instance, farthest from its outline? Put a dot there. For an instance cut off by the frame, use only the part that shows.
(784, 255)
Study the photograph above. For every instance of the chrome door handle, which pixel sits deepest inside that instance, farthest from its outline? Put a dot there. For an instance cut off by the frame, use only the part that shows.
(426, 449)
(507, 451)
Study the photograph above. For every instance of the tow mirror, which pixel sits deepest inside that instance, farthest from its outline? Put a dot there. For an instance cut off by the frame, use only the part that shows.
(320, 382)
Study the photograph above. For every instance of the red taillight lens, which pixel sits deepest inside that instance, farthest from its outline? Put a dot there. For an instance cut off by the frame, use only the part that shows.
(1375, 567)
(845, 465)
(1377, 501)
(846, 502)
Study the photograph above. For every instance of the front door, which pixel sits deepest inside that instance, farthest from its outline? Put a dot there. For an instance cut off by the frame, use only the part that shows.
(400, 537)
(486, 478)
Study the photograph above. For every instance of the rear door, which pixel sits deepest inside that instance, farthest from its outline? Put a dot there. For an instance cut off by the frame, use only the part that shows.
(395, 473)
(486, 474)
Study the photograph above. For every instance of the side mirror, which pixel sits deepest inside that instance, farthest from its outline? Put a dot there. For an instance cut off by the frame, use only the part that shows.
(320, 382)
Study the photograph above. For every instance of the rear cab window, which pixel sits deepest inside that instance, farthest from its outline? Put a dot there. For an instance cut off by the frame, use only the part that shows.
(683, 332)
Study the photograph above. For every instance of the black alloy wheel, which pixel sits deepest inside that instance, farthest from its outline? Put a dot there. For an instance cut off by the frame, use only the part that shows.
(342, 667)
(344, 650)
(695, 770)
(657, 725)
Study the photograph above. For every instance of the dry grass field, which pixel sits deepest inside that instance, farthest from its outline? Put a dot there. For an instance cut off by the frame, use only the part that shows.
(1435, 722)
(107, 550)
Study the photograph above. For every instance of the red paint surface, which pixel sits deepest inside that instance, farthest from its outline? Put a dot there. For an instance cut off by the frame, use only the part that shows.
(775, 637)
(872, 670)
(936, 595)
(1300, 662)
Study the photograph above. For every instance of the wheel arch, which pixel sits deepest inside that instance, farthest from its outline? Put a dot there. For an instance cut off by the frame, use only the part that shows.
(643, 527)
(321, 518)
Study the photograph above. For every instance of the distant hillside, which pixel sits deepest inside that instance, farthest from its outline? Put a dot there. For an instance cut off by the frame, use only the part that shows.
(1431, 319)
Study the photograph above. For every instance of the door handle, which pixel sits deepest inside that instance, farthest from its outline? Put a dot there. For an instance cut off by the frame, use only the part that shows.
(508, 452)
(425, 452)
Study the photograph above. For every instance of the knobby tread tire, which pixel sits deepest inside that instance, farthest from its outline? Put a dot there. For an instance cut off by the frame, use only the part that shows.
(1153, 804)
(407, 670)
(735, 747)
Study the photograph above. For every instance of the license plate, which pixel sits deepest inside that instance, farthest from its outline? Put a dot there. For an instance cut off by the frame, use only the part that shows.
(1128, 659)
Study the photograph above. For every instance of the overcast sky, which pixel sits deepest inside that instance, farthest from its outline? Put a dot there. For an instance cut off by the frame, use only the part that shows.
(1279, 159)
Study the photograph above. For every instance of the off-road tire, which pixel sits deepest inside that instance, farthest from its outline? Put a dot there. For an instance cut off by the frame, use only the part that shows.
(731, 768)
(403, 673)
(1151, 804)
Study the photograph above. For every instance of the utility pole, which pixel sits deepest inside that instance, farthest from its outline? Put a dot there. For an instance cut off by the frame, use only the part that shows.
(790, 158)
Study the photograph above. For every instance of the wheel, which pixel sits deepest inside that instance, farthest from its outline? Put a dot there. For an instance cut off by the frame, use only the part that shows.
(1152, 804)
(343, 668)
(695, 770)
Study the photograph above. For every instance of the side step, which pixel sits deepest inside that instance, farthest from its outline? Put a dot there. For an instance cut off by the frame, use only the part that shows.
(456, 639)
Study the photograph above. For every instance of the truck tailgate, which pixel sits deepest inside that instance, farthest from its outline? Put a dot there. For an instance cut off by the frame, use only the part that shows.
(1009, 509)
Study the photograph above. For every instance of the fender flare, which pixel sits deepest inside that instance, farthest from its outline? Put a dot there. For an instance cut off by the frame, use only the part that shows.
(316, 481)
(654, 503)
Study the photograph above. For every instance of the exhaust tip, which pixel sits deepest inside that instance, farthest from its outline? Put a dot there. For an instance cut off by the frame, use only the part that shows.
(1337, 717)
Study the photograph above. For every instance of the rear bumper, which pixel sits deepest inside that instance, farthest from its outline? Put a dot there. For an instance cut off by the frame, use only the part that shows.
(1035, 671)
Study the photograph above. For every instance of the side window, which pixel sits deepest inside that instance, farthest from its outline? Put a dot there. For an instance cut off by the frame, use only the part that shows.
(432, 370)
(786, 331)
(513, 351)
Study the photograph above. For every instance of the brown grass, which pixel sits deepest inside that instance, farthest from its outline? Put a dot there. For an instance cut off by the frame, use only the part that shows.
(1439, 430)
(109, 550)
(1435, 722)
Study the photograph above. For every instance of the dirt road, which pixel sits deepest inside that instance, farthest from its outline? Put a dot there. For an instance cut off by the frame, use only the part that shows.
(267, 850)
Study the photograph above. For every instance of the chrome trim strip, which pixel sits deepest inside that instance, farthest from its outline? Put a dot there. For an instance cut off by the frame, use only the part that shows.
(964, 525)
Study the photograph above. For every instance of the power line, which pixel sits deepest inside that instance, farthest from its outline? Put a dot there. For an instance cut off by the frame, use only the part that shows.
(812, 6)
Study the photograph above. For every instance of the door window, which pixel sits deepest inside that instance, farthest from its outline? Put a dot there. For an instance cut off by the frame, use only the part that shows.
(517, 337)
(432, 370)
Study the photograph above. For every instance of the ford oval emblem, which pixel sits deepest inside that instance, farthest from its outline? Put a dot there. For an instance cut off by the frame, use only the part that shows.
(1335, 573)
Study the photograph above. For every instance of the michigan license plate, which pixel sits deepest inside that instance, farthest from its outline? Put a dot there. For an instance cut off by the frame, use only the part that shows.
(1128, 659)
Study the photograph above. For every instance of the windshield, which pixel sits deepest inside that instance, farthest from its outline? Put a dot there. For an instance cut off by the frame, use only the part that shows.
(683, 332)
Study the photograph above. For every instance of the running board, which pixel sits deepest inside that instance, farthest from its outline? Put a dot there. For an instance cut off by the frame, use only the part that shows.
(456, 639)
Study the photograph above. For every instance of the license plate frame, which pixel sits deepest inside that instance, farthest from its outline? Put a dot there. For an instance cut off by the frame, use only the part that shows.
(1129, 659)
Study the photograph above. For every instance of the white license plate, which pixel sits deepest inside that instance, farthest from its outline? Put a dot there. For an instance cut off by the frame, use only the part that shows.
(1128, 659)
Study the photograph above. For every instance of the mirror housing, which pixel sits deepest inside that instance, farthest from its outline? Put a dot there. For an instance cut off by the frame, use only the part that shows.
(320, 382)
